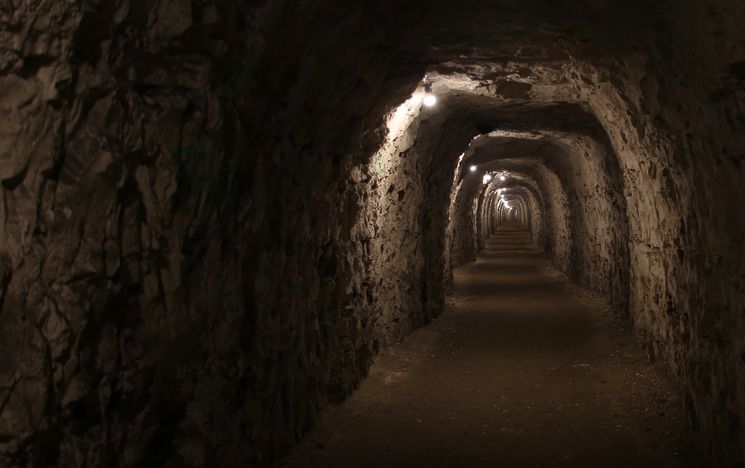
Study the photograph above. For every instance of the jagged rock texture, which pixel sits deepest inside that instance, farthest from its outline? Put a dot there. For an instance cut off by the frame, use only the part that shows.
(215, 213)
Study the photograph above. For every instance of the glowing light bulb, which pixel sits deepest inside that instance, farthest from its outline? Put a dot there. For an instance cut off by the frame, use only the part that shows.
(502, 178)
(473, 168)
(429, 100)
(487, 178)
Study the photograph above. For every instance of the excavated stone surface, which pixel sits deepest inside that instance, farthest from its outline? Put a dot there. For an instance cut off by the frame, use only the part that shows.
(586, 211)
(183, 281)
(215, 213)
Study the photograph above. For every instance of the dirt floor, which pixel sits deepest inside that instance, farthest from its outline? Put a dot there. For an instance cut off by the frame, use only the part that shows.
(523, 369)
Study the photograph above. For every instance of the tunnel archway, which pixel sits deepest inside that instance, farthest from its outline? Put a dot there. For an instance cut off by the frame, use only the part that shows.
(224, 211)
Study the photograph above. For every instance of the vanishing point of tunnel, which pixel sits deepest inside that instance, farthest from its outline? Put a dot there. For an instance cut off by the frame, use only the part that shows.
(372, 233)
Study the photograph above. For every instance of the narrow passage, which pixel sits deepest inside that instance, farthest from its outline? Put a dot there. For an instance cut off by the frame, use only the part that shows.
(522, 369)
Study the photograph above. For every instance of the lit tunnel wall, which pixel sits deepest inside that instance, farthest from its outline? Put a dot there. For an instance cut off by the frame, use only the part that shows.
(215, 214)
(578, 182)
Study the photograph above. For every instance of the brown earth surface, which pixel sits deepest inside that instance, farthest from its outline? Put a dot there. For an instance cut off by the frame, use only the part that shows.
(523, 368)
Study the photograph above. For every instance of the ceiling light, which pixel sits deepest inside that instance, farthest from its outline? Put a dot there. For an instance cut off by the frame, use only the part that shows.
(473, 168)
(502, 178)
(429, 98)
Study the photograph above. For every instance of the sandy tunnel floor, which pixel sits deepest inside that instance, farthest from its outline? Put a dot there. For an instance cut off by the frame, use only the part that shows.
(523, 369)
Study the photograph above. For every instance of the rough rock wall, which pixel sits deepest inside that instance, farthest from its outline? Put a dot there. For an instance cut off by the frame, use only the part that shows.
(462, 241)
(580, 183)
(534, 214)
(443, 148)
(676, 129)
(462, 220)
(674, 121)
(678, 136)
(186, 270)
(705, 115)
(183, 281)
(390, 226)
(594, 188)
(600, 232)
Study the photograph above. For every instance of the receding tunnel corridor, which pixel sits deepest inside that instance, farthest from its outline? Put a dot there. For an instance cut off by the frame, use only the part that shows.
(509, 232)
(523, 368)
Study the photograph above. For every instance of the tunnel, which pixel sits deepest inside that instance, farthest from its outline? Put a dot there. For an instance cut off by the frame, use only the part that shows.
(372, 233)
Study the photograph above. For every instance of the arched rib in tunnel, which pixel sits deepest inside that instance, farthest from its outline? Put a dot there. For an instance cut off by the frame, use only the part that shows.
(219, 216)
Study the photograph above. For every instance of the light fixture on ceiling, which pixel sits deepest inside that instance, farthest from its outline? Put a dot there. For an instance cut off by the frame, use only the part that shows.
(473, 168)
(503, 177)
(429, 98)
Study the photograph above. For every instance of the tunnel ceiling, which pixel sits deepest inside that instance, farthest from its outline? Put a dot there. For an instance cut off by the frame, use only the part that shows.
(215, 214)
